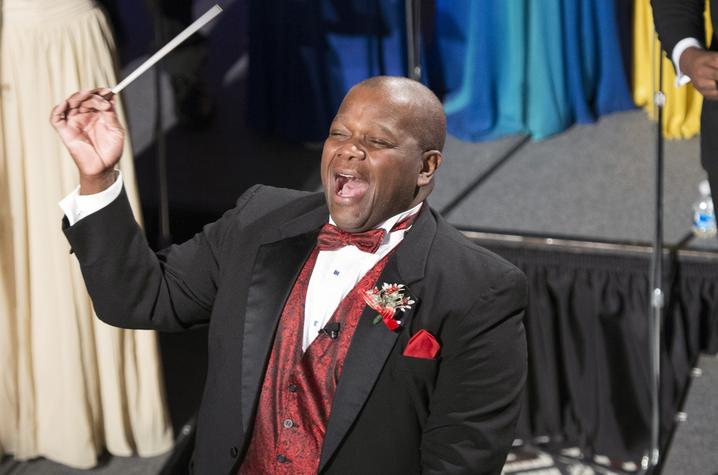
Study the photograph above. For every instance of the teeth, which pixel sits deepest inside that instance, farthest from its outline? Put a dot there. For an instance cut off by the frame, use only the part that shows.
(344, 175)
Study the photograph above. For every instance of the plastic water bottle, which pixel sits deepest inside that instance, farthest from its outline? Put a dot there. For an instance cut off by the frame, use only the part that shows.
(704, 219)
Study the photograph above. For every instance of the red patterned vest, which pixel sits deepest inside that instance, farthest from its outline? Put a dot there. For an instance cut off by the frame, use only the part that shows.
(298, 389)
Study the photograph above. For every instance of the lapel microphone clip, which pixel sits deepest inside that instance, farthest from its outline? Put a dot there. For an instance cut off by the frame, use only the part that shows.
(331, 330)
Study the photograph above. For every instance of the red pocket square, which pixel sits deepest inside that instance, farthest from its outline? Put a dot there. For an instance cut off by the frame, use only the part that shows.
(422, 345)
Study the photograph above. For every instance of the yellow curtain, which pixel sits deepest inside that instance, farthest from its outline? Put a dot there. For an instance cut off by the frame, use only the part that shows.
(683, 104)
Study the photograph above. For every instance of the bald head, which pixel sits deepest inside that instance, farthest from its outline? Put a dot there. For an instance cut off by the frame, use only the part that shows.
(423, 112)
(382, 151)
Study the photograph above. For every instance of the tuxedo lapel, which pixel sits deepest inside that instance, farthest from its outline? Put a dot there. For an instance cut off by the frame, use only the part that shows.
(277, 264)
(372, 344)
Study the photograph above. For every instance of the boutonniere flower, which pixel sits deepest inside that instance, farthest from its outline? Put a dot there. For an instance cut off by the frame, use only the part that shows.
(386, 301)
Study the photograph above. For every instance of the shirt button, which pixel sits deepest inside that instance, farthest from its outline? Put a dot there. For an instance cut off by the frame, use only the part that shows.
(288, 423)
(282, 459)
(293, 388)
(233, 452)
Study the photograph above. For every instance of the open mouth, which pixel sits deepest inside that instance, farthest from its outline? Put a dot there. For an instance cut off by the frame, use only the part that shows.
(349, 185)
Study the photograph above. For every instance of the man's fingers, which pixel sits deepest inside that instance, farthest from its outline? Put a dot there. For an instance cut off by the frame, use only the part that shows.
(110, 119)
(711, 95)
(72, 112)
(712, 59)
(77, 98)
(58, 116)
(707, 92)
(94, 102)
(85, 102)
(106, 93)
(705, 86)
(708, 72)
(81, 96)
(700, 66)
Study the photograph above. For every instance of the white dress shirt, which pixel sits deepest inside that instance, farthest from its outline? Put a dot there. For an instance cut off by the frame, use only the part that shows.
(678, 50)
(335, 273)
(77, 206)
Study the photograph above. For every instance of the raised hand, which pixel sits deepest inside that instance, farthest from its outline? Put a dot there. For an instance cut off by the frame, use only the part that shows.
(702, 67)
(88, 126)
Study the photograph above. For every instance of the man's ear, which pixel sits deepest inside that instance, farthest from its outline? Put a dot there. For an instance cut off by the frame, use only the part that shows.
(430, 161)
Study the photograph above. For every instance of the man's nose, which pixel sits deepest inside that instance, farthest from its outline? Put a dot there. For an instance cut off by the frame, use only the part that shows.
(351, 151)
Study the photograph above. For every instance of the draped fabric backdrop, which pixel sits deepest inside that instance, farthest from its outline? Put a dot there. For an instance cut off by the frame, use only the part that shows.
(69, 384)
(515, 66)
(587, 331)
(501, 66)
(682, 112)
(306, 54)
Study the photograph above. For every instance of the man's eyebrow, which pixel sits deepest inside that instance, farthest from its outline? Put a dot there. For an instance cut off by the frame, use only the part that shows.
(383, 128)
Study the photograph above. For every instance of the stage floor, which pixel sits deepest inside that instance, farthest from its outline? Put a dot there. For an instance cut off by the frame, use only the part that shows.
(594, 182)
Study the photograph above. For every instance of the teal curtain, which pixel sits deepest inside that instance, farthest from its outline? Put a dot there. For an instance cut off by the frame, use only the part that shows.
(501, 66)
(525, 66)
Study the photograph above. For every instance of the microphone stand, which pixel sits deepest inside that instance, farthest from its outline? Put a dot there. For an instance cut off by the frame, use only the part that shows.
(650, 462)
(412, 10)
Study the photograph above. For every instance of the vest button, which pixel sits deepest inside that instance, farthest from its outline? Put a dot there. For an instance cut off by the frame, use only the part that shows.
(293, 388)
(282, 459)
(288, 423)
(233, 452)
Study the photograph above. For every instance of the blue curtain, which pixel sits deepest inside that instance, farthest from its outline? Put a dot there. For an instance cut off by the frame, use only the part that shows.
(512, 66)
(306, 54)
(501, 66)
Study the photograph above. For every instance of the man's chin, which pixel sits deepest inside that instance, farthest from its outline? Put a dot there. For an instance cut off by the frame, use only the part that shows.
(350, 226)
(349, 221)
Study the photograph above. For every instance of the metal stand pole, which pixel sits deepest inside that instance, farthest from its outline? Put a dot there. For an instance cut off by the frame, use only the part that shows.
(657, 295)
(412, 8)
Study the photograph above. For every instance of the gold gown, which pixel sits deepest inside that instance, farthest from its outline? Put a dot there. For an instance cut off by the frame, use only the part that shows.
(69, 384)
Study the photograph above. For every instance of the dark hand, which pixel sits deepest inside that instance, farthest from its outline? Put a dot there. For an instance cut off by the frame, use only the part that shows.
(702, 67)
(88, 126)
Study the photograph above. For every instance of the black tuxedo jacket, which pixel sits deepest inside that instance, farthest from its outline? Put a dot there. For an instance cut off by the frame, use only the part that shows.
(391, 414)
(678, 19)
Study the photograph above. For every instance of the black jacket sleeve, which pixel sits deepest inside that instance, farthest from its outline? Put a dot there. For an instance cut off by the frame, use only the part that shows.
(678, 19)
(131, 286)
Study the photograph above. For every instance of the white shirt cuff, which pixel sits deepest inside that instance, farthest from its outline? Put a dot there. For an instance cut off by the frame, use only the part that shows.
(678, 50)
(77, 206)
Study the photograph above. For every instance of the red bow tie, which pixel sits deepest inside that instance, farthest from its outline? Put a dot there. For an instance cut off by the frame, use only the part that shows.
(331, 237)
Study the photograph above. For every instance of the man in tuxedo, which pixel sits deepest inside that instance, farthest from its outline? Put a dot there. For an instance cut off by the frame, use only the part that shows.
(350, 332)
(681, 28)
